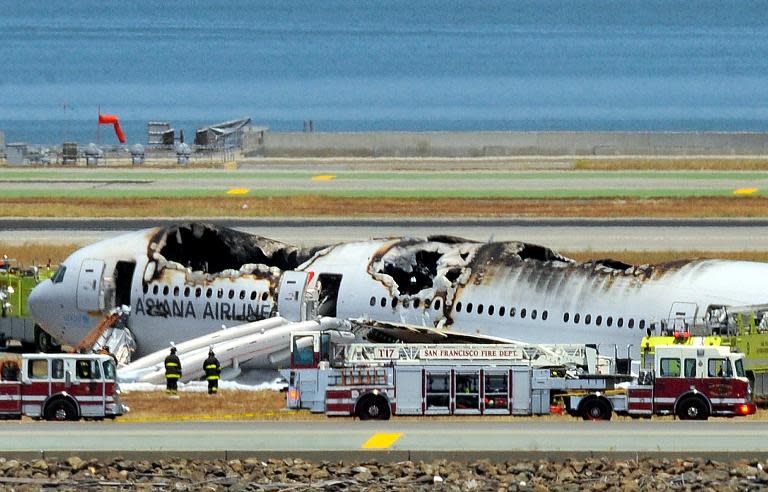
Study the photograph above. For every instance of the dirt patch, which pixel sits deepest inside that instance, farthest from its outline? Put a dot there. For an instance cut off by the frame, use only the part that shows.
(323, 206)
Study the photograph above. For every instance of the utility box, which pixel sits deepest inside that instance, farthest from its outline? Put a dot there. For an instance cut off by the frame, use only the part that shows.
(69, 153)
(16, 154)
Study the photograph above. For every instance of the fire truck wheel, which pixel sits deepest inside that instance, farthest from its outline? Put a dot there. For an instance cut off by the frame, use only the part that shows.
(372, 408)
(692, 408)
(595, 409)
(60, 410)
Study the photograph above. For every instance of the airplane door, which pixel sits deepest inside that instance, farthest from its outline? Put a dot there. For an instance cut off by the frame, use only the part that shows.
(89, 285)
(290, 298)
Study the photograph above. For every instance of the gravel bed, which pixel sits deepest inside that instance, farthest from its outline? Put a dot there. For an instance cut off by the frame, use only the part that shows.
(294, 474)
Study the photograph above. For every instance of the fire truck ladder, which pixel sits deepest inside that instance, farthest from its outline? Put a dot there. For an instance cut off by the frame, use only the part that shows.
(532, 355)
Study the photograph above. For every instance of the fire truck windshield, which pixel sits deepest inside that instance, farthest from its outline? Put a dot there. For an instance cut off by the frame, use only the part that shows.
(109, 370)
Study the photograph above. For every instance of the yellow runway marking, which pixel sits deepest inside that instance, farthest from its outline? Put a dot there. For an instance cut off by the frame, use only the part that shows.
(381, 440)
(745, 191)
(323, 177)
(238, 191)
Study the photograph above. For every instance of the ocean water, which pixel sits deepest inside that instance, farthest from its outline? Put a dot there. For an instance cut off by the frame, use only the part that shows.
(382, 65)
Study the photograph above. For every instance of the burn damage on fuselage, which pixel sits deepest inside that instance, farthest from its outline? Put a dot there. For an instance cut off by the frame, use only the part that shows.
(215, 258)
(416, 272)
(212, 249)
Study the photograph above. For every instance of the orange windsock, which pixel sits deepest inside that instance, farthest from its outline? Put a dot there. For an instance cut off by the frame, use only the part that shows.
(110, 119)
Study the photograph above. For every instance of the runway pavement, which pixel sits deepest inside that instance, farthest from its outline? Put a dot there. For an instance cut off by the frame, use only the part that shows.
(397, 439)
(561, 234)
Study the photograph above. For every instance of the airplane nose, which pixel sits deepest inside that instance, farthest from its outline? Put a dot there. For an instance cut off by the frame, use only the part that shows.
(39, 303)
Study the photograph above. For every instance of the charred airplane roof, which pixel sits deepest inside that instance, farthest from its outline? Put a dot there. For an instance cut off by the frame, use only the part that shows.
(210, 248)
(406, 265)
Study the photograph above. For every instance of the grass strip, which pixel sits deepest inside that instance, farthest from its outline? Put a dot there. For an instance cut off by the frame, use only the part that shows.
(389, 207)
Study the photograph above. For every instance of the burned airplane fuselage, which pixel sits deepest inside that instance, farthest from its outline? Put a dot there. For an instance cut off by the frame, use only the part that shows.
(188, 280)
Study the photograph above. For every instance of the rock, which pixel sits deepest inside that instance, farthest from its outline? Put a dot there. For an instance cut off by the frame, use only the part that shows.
(437, 479)
(363, 476)
(40, 465)
(75, 463)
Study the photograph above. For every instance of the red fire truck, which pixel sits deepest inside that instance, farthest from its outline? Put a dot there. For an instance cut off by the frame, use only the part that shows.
(59, 387)
(374, 381)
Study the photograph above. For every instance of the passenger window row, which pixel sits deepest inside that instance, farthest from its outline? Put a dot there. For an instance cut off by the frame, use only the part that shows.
(502, 311)
(209, 292)
(599, 321)
(436, 304)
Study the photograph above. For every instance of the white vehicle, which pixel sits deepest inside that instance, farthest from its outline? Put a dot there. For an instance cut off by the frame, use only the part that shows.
(185, 281)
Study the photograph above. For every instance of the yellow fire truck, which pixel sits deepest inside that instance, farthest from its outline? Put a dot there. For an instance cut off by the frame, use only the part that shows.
(743, 328)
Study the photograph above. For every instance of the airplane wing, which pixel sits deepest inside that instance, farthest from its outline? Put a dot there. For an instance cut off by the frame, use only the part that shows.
(387, 332)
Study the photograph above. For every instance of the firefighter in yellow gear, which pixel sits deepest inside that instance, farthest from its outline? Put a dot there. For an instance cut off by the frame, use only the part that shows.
(172, 372)
(212, 371)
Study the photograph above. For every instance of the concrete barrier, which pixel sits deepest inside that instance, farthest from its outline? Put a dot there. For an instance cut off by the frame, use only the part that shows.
(501, 144)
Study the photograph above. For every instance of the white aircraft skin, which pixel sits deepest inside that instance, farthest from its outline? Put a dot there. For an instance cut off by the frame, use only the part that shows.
(508, 291)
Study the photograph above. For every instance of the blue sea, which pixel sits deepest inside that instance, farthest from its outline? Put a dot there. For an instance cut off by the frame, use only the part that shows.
(382, 65)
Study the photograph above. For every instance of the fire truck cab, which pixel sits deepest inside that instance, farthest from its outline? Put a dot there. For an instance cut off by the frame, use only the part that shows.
(691, 382)
(59, 387)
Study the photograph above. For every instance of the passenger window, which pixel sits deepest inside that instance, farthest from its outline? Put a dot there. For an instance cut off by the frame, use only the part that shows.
(502, 310)
(533, 314)
(394, 302)
(599, 320)
(588, 319)
(220, 293)
(490, 310)
(383, 302)
(176, 291)
(479, 309)
(145, 288)
(231, 294)
(718, 368)
(198, 292)
(57, 369)
(187, 291)
(255, 294)
(438, 304)
(209, 292)
(155, 289)
(620, 323)
(670, 368)
(609, 321)
(690, 368)
(631, 323)
(242, 294)
(458, 307)
(416, 303)
(512, 312)
(576, 318)
(469, 307)
(38, 369)
(522, 313)
(642, 324)
(165, 290)
(544, 315)
(566, 316)
(373, 301)
(406, 303)
(265, 296)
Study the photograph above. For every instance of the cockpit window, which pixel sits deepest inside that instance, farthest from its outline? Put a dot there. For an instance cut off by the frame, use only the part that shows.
(58, 277)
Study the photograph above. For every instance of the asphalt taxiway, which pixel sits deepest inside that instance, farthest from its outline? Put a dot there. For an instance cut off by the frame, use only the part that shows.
(397, 439)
